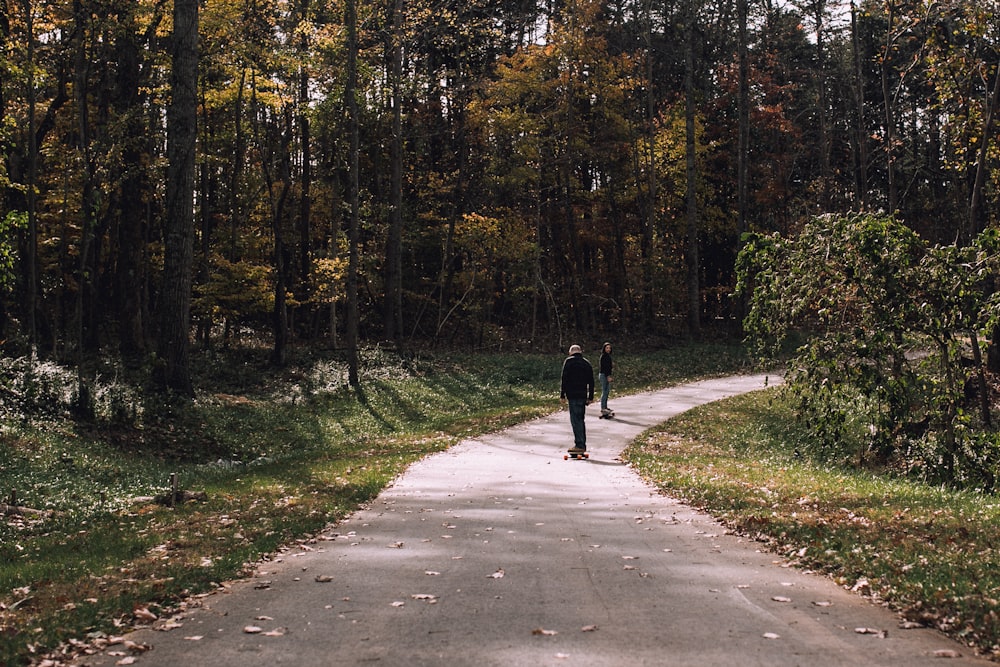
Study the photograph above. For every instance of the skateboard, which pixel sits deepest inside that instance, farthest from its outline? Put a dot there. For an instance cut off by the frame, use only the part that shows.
(573, 454)
(607, 415)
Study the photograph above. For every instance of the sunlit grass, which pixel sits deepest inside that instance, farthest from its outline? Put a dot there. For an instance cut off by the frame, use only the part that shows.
(929, 552)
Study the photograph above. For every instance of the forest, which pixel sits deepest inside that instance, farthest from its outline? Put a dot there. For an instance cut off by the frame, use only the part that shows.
(485, 174)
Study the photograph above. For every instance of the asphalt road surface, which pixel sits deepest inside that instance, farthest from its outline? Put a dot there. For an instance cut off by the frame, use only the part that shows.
(500, 552)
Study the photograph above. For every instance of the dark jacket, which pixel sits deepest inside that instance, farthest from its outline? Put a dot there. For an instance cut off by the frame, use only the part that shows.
(606, 364)
(577, 378)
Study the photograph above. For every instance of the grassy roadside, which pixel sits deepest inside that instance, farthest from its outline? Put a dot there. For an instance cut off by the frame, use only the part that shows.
(278, 456)
(931, 553)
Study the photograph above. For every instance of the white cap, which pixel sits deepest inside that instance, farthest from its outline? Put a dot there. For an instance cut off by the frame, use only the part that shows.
(575, 349)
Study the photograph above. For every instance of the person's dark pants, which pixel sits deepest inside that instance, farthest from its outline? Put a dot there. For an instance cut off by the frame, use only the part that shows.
(577, 412)
(605, 390)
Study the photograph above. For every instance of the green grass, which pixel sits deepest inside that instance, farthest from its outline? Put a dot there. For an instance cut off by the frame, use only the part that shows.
(279, 455)
(929, 552)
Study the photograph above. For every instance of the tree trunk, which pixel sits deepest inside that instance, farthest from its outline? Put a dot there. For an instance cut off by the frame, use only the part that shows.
(649, 228)
(305, 196)
(178, 259)
(975, 206)
(978, 221)
(281, 262)
(887, 101)
(743, 140)
(393, 246)
(693, 261)
(350, 93)
(83, 405)
(32, 176)
(861, 177)
(822, 125)
(130, 272)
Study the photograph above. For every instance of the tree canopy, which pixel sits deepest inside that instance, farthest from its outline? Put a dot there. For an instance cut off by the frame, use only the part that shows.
(515, 172)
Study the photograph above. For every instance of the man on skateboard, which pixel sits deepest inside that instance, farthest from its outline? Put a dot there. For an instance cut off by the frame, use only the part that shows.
(578, 391)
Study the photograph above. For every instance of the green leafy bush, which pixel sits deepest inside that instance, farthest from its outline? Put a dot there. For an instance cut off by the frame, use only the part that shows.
(892, 368)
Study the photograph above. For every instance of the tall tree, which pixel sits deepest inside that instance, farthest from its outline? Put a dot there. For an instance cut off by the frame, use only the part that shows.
(130, 273)
(353, 228)
(860, 129)
(32, 171)
(305, 140)
(178, 258)
(392, 310)
(690, 112)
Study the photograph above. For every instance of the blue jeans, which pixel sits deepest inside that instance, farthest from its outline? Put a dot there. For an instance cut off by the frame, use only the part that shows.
(605, 390)
(577, 412)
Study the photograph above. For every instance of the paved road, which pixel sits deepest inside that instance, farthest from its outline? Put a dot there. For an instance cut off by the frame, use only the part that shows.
(499, 552)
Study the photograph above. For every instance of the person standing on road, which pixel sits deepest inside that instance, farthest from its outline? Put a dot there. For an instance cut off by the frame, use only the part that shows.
(578, 391)
(604, 376)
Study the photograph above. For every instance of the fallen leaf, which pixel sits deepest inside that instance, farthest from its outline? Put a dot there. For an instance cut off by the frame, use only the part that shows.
(544, 632)
(430, 599)
(497, 575)
(872, 631)
(136, 647)
(771, 635)
(263, 618)
(252, 629)
(781, 598)
(911, 625)
(323, 578)
(398, 603)
(277, 632)
(588, 628)
(195, 638)
(946, 653)
(432, 573)
(143, 614)
(822, 603)
(127, 660)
